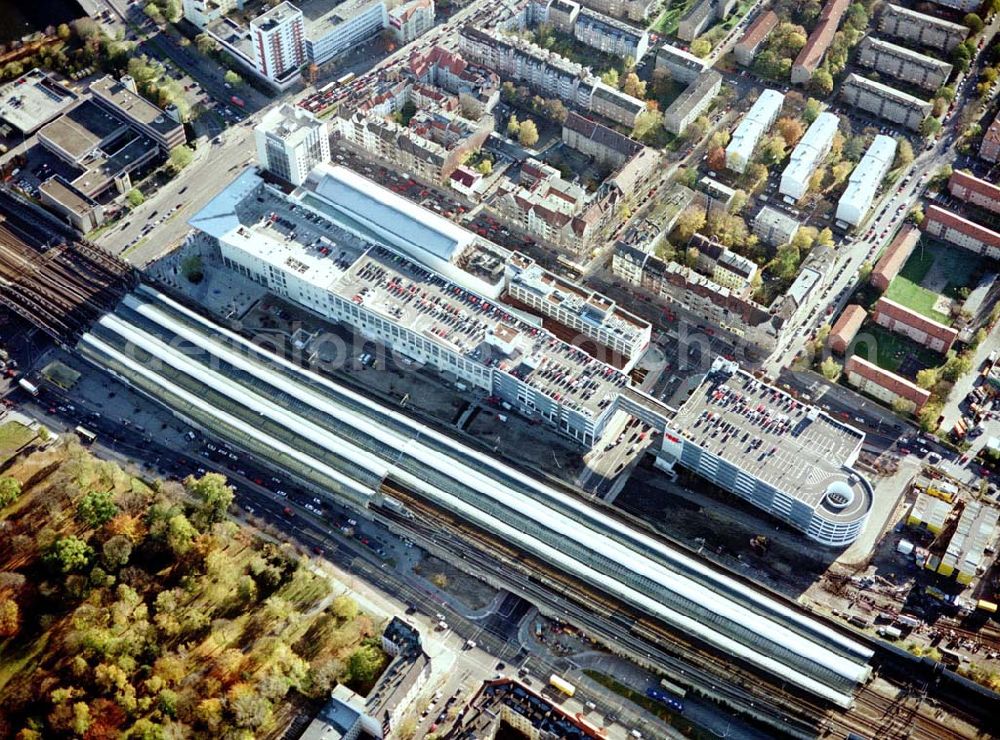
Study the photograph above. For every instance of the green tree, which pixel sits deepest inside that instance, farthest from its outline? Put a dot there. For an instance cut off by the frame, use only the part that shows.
(974, 22)
(232, 78)
(930, 127)
(135, 197)
(215, 493)
(841, 170)
(822, 82)
(811, 111)
(344, 608)
(116, 551)
(513, 126)
(830, 368)
(825, 238)
(192, 269)
(927, 378)
(701, 47)
(204, 43)
(739, 201)
(63, 32)
(365, 663)
(485, 167)
(10, 490)
(527, 136)
(96, 509)
(180, 534)
(153, 12)
(69, 554)
(916, 214)
(648, 125)
(610, 78)
(180, 157)
(865, 271)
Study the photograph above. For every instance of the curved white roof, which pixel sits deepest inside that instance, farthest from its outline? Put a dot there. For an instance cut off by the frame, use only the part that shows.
(405, 225)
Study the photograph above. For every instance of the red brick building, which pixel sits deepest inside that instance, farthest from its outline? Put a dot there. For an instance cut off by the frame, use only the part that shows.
(895, 257)
(899, 319)
(846, 328)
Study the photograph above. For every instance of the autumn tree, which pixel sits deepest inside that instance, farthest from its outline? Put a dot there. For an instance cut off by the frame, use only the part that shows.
(216, 497)
(513, 126)
(790, 129)
(10, 615)
(811, 110)
(116, 551)
(701, 47)
(904, 153)
(691, 220)
(716, 159)
(527, 136)
(634, 86)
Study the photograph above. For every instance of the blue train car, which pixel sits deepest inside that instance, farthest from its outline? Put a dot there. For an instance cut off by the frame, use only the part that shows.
(666, 699)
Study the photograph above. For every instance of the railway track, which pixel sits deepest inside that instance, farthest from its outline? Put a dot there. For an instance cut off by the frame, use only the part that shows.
(58, 284)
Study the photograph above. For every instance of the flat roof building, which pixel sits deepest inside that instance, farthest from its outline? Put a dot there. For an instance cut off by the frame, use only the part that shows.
(963, 6)
(884, 101)
(977, 191)
(682, 65)
(785, 456)
(893, 259)
(918, 28)
(610, 36)
(774, 227)
(761, 116)
(83, 213)
(747, 47)
(138, 112)
(692, 102)
(32, 100)
(862, 187)
(278, 38)
(902, 63)
(333, 28)
(807, 155)
(846, 328)
(290, 142)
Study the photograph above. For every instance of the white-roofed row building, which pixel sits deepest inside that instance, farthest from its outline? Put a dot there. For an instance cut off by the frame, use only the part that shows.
(808, 155)
(755, 123)
(865, 179)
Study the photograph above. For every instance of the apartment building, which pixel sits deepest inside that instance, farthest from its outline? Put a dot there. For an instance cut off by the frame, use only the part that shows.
(203, 12)
(410, 20)
(692, 102)
(614, 105)
(636, 11)
(921, 29)
(893, 259)
(962, 6)
(279, 43)
(676, 284)
(621, 337)
(603, 144)
(290, 142)
(863, 184)
(846, 328)
(961, 232)
(682, 66)
(902, 63)
(974, 190)
(899, 319)
(774, 227)
(725, 267)
(701, 16)
(807, 155)
(884, 101)
(610, 36)
(990, 148)
(819, 41)
(888, 387)
(753, 40)
(761, 116)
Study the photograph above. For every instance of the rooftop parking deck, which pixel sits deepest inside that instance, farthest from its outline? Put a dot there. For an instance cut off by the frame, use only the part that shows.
(789, 445)
(409, 295)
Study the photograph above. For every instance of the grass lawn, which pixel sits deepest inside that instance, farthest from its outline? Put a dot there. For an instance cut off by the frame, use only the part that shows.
(670, 18)
(910, 294)
(892, 350)
(13, 436)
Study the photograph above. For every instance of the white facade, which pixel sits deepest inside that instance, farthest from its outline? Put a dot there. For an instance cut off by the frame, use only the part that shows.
(865, 179)
(343, 29)
(411, 19)
(755, 124)
(290, 142)
(808, 155)
(278, 39)
(203, 12)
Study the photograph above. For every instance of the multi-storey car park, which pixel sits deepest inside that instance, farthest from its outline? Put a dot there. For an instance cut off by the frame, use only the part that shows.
(356, 449)
(778, 453)
(356, 253)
